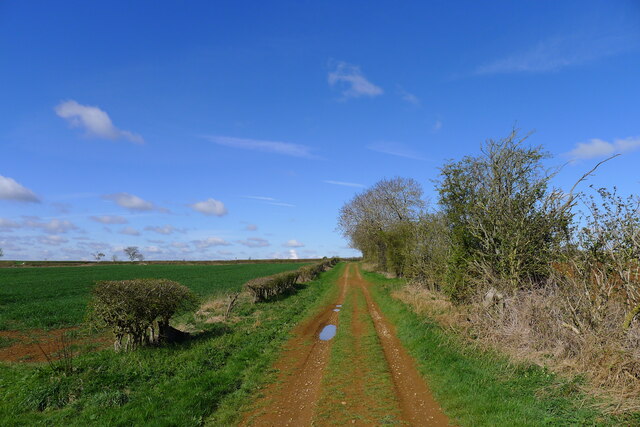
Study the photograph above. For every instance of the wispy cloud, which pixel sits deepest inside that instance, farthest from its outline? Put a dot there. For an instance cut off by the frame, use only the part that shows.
(11, 190)
(94, 121)
(556, 53)
(265, 198)
(276, 147)
(600, 148)
(52, 240)
(437, 125)
(164, 229)
(270, 201)
(408, 97)
(54, 226)
(251, 227)
(395, 149)
(7, 224)
(293, 243)
(254, 242)
(129, 231)
(286, 205)
(131, 202)
(209, 242)
(344, 184)
(210, 207)
(109, 219)
(352, 82)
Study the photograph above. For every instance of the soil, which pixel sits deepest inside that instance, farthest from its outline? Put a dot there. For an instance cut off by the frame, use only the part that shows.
(36, 345)
(293, 399)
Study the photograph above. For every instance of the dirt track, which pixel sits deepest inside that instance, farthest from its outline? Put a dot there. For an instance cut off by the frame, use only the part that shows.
(293, 399)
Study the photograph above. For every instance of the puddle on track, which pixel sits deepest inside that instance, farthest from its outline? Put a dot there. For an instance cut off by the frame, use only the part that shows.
(336, 309)
(327, 332)
(338, 305)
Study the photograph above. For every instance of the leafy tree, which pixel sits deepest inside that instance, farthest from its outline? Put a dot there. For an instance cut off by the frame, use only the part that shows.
(505, 222)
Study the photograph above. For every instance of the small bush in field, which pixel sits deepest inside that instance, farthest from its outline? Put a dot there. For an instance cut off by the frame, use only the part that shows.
(138, 311)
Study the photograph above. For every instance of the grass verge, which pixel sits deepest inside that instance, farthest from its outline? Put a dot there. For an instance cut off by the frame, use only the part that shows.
(176, 385)
(483, 388)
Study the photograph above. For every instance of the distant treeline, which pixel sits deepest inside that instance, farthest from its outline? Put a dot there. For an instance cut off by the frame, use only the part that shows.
(6, 264)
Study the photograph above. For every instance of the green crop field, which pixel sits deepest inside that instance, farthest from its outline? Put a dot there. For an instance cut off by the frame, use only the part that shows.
(55, 297)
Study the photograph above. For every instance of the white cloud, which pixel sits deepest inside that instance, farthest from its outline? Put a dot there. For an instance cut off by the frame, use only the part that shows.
(109, 219)
(209, 242)
(129, 231)
(52, 240)
(254, 242)
(251, 227)
(293, 243)
(293, 254)
(344, 184)
(599, 148)
(165, 229)
(437, 125)
(395, 149)
(277, 147)
(129, 201)
(560, 52)
(6, 224)
(11, 190)
(94, 121)
(352, 81)
(210, 207)
(54, 226)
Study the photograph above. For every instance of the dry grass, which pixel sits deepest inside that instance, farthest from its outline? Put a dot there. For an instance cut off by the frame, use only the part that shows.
(533, 327)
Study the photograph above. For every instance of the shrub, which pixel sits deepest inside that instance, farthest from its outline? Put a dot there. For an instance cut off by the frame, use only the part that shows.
(138, 311)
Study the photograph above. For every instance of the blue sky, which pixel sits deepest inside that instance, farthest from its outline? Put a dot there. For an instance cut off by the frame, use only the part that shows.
(222, 130)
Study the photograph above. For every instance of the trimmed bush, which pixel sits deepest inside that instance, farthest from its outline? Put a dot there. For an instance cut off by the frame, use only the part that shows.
(138, 311)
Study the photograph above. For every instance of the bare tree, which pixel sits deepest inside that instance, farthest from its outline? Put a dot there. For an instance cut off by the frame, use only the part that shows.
(1, 253)
(98, 256)
(376, 220)
(133, 253)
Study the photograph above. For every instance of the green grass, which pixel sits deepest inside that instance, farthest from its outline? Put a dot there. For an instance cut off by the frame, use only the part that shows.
(211, 375)
(54, 297)
(481, 388)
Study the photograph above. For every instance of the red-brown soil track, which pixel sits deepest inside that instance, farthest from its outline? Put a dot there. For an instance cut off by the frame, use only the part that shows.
(292, 399)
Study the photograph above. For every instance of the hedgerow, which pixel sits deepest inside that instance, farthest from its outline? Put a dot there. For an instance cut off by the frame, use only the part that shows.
(265, 288)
